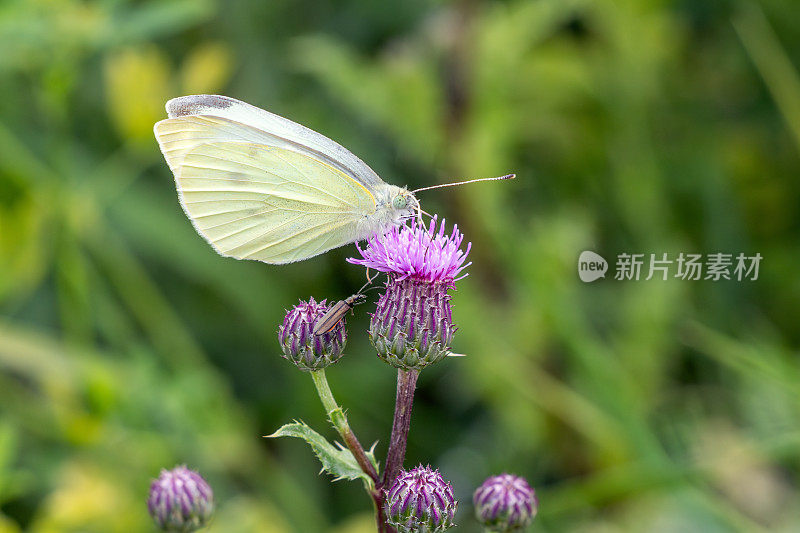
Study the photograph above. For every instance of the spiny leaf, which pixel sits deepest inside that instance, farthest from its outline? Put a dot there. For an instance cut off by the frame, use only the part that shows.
(335, 458)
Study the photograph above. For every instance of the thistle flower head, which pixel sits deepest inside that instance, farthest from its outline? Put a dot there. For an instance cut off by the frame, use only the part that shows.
(420, 501)
(300, 345)
(505, 503)
(417, 252)
(412, 326)
(180, 500)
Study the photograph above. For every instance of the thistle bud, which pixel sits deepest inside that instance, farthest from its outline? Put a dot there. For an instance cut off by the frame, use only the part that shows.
(298, 342)
(180, 500)
(505, 503)
(420, 501)
(412, 326)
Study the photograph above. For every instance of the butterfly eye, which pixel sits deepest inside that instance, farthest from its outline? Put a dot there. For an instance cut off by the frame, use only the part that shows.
(399, 202)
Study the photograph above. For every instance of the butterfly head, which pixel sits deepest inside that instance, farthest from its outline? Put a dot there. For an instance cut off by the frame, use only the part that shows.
(405, 204)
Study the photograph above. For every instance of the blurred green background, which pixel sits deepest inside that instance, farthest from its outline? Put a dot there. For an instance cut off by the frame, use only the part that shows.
(128, 345)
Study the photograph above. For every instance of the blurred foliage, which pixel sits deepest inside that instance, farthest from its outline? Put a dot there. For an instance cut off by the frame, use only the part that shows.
(128, 345)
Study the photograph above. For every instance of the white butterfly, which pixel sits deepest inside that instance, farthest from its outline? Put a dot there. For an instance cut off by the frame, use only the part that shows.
(259, 186)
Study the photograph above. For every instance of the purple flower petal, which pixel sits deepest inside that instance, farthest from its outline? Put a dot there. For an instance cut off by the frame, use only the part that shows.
(414, 251)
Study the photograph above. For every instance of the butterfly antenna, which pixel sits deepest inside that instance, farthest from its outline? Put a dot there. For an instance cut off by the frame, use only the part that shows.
(506, 177)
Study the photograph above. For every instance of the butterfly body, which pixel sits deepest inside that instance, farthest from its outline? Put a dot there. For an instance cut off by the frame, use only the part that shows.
(258, 186)
(387, 213)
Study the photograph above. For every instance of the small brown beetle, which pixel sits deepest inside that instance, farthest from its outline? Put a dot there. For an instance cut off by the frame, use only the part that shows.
(340, 308)
(336, 313)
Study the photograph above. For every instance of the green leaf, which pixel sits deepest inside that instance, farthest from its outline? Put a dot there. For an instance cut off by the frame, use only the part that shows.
(335, 458)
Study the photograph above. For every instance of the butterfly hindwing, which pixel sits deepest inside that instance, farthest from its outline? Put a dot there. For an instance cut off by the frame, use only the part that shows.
(253, 201)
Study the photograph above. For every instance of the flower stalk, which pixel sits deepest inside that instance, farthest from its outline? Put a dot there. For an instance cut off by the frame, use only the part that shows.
(406, 385)
(339, 421)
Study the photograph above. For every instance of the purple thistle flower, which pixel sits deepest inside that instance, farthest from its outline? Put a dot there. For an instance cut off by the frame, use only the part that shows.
(417, 252)
(298, 342)
(412, 326)
(420, 500)
(180, 500)
(505, 503)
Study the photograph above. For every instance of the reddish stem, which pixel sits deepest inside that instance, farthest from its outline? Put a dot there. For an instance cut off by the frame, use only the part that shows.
(406, 384)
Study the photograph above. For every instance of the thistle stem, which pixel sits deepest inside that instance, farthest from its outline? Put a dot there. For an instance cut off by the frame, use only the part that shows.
(406, 384)
(339, 420)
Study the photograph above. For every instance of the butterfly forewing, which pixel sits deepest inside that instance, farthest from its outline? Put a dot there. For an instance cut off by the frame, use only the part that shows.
(253, 201)
(220, 118)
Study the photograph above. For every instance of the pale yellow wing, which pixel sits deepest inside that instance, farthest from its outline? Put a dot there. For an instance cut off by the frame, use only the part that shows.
(178, 136)
(252, 201)
(202, 118)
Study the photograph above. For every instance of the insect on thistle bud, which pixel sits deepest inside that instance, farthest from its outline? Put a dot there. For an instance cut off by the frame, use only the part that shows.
(180, 500)
(299, 343)
(505, 503)
(420, 501)
(336, 313)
